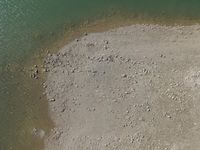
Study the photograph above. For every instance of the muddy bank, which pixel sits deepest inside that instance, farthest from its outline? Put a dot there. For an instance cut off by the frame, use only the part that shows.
(134, 87)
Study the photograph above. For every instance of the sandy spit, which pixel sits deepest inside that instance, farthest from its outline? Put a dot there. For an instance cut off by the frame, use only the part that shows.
(131, 88)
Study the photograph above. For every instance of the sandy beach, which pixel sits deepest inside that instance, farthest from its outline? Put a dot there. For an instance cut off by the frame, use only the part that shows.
(131, 88)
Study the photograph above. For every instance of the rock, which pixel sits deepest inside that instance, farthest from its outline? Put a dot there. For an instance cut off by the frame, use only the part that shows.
(127, 92)
(45, 86)
(63, 108)
(105, 47)
(110, 58)
(168, 115)
(106, 42)
(148, 109)
(73, 70)
(52, 100)
(36, 71)
(46, 70)
(85, 34)
(123, 75)
(34, 75)
(163, 56)
(90, 45)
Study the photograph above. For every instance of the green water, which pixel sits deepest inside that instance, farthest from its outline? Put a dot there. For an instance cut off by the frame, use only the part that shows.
(26, 26)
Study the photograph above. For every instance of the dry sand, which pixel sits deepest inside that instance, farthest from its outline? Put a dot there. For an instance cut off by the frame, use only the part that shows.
(131, 88)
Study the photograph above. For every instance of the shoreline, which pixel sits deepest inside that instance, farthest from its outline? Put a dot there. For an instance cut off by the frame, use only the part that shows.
(106, 23)
(133, 87)
(53, 41)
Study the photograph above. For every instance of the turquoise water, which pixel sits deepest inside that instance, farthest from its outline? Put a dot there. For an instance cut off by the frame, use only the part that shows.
(26, 26)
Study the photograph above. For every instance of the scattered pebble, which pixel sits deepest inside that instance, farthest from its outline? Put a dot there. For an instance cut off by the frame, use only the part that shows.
(52, 100)
(123, 75)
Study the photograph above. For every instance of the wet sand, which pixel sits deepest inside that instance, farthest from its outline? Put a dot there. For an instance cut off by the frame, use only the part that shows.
(134, 87)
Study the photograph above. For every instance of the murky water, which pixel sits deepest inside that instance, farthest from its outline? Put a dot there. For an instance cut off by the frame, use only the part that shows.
(27, 26)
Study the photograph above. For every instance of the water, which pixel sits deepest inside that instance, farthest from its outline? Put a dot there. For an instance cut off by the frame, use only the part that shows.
(26, 27)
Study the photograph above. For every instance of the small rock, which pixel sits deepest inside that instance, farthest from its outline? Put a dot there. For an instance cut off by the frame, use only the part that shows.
(124, 76)
(52, 100)
(106, 41)
(36, 71)
(45, 70)
(127, 92)
(132, 140)
(73, 70)
(162, 56)
(105, 47)
(110, 58)
(148, 109)
(85, 33)
(168, 115)
(115, 100)
(90, 45)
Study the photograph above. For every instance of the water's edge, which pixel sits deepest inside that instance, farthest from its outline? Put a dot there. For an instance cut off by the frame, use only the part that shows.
(35, 86)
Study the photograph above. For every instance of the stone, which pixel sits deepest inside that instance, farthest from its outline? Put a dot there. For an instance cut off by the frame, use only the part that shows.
(52, 100)
(106, 42)
(124, 76)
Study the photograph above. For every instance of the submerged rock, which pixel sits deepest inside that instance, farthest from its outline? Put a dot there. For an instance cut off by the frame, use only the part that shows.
(40, 133)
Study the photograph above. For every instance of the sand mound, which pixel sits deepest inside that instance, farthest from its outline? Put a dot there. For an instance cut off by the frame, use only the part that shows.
(132, 88)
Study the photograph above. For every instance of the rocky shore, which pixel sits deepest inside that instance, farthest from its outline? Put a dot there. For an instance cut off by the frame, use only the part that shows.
(131, 88)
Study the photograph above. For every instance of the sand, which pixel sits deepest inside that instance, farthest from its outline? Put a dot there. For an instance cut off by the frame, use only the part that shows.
(131, 88)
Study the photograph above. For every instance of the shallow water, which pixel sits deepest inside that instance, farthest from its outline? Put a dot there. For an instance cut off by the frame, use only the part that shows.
(28, 26)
